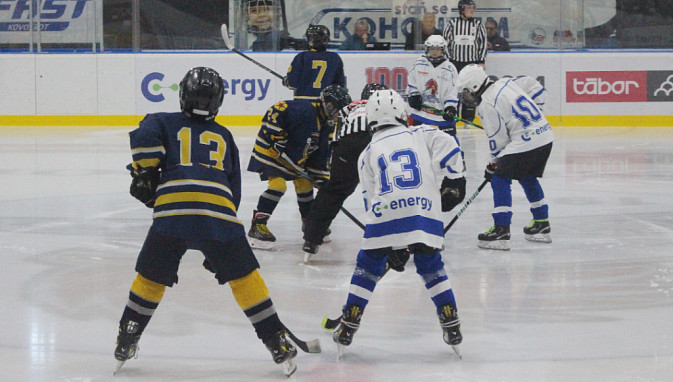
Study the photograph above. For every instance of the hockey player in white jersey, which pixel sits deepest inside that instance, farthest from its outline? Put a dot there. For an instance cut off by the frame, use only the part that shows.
(432, 95)
(408, 176)
(520, 139)
(531, 86)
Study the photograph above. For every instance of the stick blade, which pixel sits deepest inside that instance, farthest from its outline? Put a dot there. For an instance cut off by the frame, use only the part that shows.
(225, 36)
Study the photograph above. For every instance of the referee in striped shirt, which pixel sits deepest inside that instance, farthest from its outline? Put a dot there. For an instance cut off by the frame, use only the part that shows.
(466, 37)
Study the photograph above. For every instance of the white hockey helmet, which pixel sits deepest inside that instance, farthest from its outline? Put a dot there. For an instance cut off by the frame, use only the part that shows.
(472, 77)
(471, 83)
(386, 108)
(435, 41)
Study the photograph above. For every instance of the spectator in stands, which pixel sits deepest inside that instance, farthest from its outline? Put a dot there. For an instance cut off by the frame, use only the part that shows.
(427, 28)
(359, 38)
(495, 42)
(262, 18)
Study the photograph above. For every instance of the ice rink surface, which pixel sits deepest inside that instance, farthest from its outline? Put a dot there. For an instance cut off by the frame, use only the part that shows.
(594, 305)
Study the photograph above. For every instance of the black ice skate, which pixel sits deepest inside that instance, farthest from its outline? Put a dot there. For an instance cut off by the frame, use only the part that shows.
(350, 323)
(325, 239)
(282, 351)
(538, 231)
(259, 234)
(450, 323)
(495, 238)
(309, 249)
(127, 344)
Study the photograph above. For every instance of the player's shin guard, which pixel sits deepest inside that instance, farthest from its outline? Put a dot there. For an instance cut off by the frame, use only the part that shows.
(144, 298)
(252, 296)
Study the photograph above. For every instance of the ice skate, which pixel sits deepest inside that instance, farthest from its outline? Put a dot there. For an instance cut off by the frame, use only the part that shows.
(450, 323)
(495, 238)
(127, 344)
(538, 231)
(309, 249)
(325, 239)
(350, 323)
(259, 235)
(282, 351)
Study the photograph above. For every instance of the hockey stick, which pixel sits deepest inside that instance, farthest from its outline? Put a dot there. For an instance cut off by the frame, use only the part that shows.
(467, 203)
(329, 323)
(304, 175)
(230, 46)
(457, 119)
(468, 122)
(312, 346)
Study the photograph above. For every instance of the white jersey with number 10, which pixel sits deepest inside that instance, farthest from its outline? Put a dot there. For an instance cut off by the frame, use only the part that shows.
(511, 119)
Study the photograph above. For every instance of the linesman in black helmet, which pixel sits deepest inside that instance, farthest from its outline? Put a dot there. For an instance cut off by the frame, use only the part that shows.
(186, 167)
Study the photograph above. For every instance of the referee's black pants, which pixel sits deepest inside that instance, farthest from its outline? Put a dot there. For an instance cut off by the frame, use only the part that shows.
(342, 182)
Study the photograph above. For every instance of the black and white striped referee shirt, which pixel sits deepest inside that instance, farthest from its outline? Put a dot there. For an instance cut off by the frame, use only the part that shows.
(466, 40)
(352, 120)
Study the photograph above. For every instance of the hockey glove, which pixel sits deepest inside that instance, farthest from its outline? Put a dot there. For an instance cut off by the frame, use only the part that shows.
(468, 113)
(450, 113)
(144, 184)
(286, 82)
(490, 170)
(453, 193)
(415, 101)
(208, 266)
(279, 146)
(451, 129)
(398, 259)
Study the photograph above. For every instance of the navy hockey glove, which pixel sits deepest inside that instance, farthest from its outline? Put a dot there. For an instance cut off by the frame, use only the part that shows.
(490, 170)
(415, 101)
(453, 193)
(450, 113)
(398, 259)
(286, 82)
(144, 184)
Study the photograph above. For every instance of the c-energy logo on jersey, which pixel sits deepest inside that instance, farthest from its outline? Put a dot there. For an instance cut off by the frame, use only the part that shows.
(608, 86)
(425, 203)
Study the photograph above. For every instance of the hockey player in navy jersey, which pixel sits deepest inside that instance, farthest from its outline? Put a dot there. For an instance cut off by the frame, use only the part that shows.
(315, 69)
(351, 136)
(409, 176)
(293, 131)
(520, 139)
(431, 88)
(186, 167)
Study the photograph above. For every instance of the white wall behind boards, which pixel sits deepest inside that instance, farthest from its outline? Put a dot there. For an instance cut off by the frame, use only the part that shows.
(579, 84)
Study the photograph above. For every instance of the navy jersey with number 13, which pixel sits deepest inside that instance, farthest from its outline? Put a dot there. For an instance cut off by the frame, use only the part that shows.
(200, 187)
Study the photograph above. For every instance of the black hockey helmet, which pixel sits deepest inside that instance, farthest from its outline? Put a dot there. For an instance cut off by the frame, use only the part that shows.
(318, 37)
(465, 3)
(369, 89)
(201, 93)
(333, 98)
